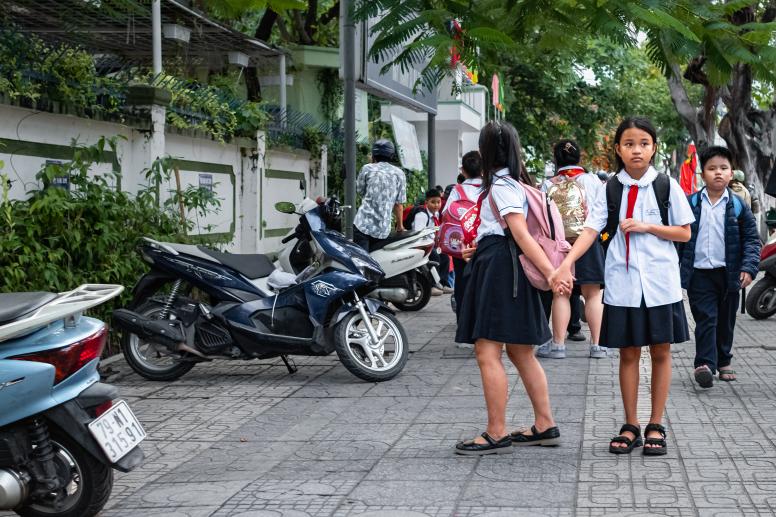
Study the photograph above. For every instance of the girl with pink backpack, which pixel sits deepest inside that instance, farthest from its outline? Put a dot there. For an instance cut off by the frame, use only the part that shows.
(500, 304)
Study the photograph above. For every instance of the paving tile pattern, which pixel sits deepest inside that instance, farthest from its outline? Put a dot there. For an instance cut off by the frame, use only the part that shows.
(247, 439)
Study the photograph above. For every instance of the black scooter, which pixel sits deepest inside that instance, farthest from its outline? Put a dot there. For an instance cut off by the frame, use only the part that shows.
(197, 304)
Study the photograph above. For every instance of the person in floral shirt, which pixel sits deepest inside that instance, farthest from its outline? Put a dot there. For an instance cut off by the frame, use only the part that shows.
(383, 191)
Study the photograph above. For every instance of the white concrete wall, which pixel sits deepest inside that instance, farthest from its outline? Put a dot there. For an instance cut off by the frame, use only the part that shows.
(246, 186)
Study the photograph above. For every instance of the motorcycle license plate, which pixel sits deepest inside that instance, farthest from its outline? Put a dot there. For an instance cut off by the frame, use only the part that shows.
(117, 431)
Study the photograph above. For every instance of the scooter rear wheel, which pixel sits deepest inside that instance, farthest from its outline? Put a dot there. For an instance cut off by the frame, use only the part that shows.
(89, 487)
(761, 298)
(420, 294)
(143, 356)
(364, 359)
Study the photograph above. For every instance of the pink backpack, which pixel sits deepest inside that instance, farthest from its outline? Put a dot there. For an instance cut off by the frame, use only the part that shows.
(546, 227)
(457, 225)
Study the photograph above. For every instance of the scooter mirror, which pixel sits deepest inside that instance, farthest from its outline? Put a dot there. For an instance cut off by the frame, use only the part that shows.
(285, 207)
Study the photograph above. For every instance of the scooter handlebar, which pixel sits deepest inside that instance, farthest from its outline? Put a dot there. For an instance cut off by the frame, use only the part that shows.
(288, 238)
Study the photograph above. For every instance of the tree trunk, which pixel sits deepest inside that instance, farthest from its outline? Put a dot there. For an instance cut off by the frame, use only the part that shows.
(264, 29)
(700, 127)
(252, 84)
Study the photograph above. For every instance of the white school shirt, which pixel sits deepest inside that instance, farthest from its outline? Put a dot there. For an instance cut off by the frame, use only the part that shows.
(509, 198)
(423, 219)
(653, 271)
(710, 243)
(471, 187)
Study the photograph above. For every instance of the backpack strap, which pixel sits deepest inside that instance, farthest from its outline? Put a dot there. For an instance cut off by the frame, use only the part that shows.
(461, 192)
(738, 204)
(613, 203)
(662, 188)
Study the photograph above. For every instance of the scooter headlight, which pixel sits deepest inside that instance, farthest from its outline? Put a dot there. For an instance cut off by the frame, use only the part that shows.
(368, 268)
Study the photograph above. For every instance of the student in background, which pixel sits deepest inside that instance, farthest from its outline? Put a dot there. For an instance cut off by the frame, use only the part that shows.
(428, 217)
(471, 186)
(721, 258)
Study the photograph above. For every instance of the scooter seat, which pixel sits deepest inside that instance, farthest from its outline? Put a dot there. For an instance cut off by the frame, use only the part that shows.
(391, 239)
(253, 266)
(15, 305)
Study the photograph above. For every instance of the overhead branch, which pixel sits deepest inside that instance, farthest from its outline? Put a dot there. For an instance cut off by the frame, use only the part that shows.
(311, 18)
(331, 14)
(304, 38)
(264, 29)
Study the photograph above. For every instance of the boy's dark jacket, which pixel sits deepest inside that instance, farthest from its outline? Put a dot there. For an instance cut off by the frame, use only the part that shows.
(742, 243)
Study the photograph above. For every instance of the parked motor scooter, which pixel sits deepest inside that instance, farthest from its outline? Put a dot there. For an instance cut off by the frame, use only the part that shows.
(761, 298)
(197, 304)
(403, 257)
(62, 432)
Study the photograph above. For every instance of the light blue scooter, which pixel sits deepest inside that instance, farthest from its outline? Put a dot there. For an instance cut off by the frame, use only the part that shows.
(61, 430)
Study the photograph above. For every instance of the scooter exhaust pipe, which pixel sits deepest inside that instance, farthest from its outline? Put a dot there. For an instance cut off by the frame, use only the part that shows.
(390, 294)
(164, 332)
(13, 489)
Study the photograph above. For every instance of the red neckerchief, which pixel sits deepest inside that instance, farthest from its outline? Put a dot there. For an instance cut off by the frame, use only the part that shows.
(572, 172)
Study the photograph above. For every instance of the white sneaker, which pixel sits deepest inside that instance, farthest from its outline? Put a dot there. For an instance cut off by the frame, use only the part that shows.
(435, 291)
(598, 352)
(551, 350)
(447, 290)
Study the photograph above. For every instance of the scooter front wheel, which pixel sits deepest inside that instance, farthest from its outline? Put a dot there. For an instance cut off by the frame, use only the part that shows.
(89, 482)
(366, 358)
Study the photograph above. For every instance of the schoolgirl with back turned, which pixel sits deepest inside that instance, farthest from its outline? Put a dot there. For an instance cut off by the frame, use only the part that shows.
(641, 216)
(499, 305)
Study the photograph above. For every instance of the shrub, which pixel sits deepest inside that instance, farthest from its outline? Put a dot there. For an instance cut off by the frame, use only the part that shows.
(58, 239)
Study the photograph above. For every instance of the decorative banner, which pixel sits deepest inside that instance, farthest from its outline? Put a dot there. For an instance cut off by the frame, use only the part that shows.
(496, 90)
(687, 171)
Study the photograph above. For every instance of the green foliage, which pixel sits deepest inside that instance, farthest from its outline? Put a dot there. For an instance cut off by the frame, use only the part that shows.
(58, 239)
(31, 70)
(211, 109)
(332, 91)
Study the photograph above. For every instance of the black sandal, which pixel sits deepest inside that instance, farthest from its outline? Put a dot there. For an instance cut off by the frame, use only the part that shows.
(548, 438)
(493, 446)
(659, 445)
(629, 444)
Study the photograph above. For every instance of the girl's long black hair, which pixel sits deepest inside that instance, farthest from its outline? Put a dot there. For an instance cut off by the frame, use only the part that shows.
(629, 123)
(499, 149)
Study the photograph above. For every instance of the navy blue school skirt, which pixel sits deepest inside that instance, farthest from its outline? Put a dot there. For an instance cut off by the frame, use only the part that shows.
(489, 309)
(589, 268)
(623, 327)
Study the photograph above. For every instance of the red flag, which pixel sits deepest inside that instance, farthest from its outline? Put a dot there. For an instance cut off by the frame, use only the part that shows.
(687, 172)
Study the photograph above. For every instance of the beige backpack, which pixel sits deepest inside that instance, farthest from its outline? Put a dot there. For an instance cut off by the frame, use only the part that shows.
(569, 196)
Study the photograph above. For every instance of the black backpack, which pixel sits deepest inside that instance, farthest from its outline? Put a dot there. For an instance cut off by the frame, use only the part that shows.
(408, 220)
(662, 188)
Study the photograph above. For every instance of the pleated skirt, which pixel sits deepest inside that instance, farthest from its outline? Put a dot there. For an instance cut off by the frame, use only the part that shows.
(489, 308)
(623, 327)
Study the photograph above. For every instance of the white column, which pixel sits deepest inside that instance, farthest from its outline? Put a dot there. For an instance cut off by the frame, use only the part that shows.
(156, 30)
(283, 98)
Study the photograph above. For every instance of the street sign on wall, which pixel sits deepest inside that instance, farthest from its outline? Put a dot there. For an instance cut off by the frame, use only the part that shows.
(395, 86)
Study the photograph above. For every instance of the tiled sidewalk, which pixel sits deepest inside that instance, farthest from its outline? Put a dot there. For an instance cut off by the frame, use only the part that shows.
(248, 439)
